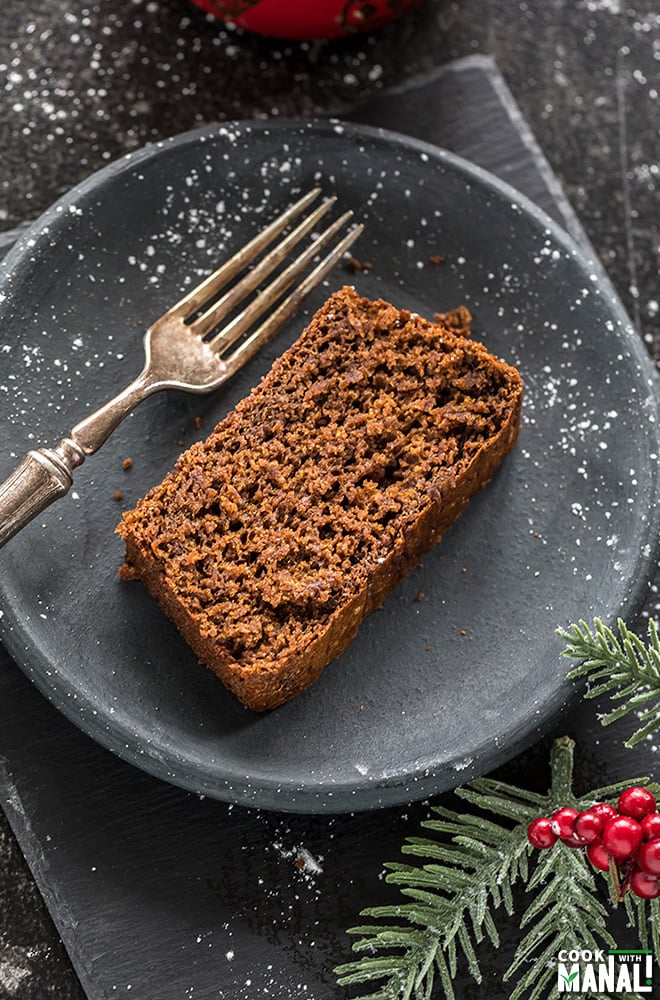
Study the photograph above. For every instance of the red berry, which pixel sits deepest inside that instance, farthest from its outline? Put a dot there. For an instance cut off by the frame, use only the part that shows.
(605, 810)
(643, 885)
(651, 826)
(648, 857)
(540, 835)
(563, 821)
(574, 841)
(598, 856)
(622, 837)
(636, 802)
(588, 826)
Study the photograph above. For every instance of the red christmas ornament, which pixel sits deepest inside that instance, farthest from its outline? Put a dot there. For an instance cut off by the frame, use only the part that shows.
(303, 19)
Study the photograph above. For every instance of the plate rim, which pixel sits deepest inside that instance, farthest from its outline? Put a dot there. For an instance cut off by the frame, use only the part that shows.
(290, 795)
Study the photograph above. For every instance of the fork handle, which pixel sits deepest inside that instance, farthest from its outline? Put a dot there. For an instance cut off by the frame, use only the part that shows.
(47, 473)
(43, 476)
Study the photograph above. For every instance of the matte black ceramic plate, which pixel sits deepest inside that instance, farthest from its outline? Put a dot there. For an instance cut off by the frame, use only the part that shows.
(461, 666)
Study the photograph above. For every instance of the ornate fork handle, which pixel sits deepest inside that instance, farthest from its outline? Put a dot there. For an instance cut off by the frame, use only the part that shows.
(45, 474)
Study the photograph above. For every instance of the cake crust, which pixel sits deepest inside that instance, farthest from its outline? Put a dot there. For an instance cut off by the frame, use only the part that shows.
(270, 542)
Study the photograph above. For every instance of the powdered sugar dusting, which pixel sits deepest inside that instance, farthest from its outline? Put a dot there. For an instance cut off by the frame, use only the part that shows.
(562, 496)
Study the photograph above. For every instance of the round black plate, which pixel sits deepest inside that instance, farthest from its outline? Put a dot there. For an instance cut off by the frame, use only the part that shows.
(461, 667)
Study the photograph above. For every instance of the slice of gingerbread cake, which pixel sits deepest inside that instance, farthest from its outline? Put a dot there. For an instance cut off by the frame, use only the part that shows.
(271, 541)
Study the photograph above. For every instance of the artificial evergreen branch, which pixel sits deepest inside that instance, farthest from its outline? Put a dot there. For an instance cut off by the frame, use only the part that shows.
(645, 918)
(466, 876)
(623, 667)
(567, 907)
(565, 910)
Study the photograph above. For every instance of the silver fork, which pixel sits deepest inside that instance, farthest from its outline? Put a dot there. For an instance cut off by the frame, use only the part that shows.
(188, 347)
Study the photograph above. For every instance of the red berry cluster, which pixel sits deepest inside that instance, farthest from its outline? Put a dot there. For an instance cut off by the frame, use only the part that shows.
(629, 836)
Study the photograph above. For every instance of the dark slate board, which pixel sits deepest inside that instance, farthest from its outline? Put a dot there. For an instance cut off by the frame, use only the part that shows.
(159, 894)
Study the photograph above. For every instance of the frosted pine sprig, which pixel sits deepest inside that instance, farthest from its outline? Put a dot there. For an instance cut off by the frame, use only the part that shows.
(622, 666)
(463, 881)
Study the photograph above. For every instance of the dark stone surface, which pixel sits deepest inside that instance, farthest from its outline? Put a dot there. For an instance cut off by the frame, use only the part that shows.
(33, 962)
(85, 82)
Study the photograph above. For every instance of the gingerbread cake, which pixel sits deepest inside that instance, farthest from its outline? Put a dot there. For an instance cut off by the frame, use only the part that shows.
(272, 540)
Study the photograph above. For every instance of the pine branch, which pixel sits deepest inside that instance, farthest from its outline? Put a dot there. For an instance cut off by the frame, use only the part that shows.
(565, 911)
(646, 919)
(453, 897)
(622, 667)
(466, 876)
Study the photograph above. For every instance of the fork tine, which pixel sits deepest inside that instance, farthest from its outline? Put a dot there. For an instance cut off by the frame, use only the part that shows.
(276, 319)
(196, 297)
(241, 323)
(217, 312)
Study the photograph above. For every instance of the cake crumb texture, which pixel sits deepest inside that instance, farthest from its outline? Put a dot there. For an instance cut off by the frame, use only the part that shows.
(271, 540)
